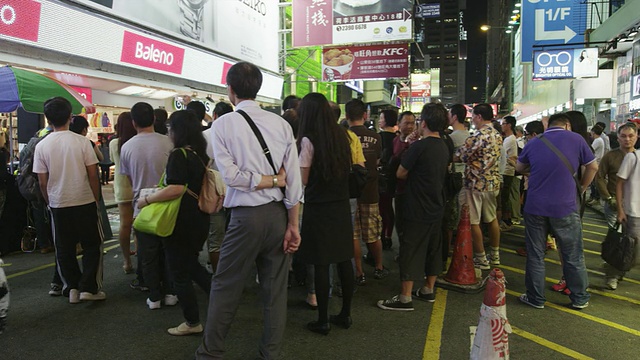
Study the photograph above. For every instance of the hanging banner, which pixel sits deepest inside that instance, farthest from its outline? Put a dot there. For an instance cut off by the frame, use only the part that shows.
(343, 63)
(565, 63)
(324, 22)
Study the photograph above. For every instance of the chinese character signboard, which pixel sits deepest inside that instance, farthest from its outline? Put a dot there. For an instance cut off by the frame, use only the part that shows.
(323, 22)
(427, 11)
(565, 63)
(365, 62)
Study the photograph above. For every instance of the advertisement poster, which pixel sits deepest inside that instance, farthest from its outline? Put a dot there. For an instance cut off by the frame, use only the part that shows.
(341, 63)
(245, 30)
(565, 63)
(323, 22)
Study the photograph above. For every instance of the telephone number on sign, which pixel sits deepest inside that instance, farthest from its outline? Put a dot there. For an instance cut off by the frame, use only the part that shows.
(351, 27)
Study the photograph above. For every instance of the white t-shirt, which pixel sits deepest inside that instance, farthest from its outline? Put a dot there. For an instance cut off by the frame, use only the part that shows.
(65, 155)
(630, 172)
(598, 148)
(510, 146)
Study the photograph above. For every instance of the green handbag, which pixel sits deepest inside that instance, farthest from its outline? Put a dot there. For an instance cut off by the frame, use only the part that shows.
(159, 218)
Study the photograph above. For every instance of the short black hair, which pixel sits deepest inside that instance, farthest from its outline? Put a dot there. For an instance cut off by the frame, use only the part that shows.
(390, 117)
(78, 124)
(57, 110)
(403, 114)
(354, 109)
(290, 102)
(484, 110)
(534, 128)
(559, 119)
(435, 116)
(460, 111)
(335, 108)
(597, 129)
(142, 114)
(511, 121)
(161, 115)
(245, 79)
(198, 108)
(222, 108)
(160, 123)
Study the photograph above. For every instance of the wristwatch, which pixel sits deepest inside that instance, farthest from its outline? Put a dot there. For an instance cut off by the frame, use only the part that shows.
(191, 21)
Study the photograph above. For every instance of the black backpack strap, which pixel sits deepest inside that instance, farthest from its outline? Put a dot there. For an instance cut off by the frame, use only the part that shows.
(263, 144)
(564, 160)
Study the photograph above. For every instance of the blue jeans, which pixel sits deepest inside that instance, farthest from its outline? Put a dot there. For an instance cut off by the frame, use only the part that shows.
(610, 214)
(568, 233)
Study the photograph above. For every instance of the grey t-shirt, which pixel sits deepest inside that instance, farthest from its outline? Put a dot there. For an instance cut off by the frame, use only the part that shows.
(458, 137)
(143, 159)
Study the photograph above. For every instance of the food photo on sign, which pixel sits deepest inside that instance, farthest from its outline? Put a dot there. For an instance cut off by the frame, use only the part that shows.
(341, 63)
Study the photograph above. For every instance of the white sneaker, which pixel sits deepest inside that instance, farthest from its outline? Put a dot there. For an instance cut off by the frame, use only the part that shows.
(170, 300)
(481, 263)
(494, 259)
(74, 296)
(87, 296)
(153, 304)
(612, 283)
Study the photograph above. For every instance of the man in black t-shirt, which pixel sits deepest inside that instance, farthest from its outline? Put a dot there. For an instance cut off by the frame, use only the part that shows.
(367, 223)
(424, 166)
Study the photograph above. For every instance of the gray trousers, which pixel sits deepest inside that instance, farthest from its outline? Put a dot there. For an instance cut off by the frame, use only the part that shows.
(254, 238)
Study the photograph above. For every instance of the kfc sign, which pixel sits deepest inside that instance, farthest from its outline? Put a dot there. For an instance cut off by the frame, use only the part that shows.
(146, 52)
(20, 19)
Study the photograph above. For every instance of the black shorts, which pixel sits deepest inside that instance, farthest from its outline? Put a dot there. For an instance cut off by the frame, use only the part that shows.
(420, 250)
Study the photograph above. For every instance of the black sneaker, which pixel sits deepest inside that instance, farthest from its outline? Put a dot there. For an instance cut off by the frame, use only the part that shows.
(426, 297)
(395, 304)
(360, 280)
(55, 289)
(381, 273)
(137, 285)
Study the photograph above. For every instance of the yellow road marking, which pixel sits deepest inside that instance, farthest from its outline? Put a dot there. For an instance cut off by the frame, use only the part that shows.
(434, 332)
(585, 250)
(42, 267)
(549, 344)
(585, 316)
(556, 262)
(593, 291)
(595, 225)
(593, 232)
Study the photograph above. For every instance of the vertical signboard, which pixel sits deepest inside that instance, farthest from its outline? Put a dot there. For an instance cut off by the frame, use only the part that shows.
(552, 22)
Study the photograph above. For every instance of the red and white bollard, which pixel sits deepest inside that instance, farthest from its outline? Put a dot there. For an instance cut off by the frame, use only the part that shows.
(492, 335)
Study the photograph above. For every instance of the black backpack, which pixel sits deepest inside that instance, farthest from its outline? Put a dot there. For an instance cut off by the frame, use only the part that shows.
(28, 184)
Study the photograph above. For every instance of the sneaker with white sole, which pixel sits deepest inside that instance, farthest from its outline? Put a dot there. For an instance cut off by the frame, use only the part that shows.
(55, 289)
(481, 263)
(494, 259)
(525, 299)
(430, 297)
(185, 329)
(153, 305)
(580, 306)
(74, 296)
(87, 296)
(395, 304)
(170, 300)
(612, 283)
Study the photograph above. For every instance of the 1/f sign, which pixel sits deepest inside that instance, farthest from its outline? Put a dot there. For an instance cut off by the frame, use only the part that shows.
(557, 13)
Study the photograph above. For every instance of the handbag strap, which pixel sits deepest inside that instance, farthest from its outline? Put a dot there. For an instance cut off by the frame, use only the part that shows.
(263, 144)
(564, 160)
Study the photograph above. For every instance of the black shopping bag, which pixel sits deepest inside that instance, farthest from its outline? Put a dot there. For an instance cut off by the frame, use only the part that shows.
(618, 249)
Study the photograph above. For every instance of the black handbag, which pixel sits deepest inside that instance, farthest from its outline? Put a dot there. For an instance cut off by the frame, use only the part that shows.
(618, 249)
(358, 177)
(452, 183)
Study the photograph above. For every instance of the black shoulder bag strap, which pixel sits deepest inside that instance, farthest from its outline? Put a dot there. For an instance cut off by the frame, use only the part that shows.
(565, 161)
(263, 144)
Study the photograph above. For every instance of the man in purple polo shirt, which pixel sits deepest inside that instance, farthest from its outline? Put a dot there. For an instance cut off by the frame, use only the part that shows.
(552, 206)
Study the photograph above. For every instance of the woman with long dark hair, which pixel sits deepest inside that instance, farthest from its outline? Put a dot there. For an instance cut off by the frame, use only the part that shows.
(122, 188)
(327, 232)
(185, 167)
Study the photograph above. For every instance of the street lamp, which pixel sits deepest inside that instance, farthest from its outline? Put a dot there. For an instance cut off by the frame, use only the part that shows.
(508, 30)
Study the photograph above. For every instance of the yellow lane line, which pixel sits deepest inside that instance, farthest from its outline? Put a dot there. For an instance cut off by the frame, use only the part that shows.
(42, 267)
(593, 291)
(434, 332)
(595, 225)
(585, 239)
(549, 344)
(585, 316)
(556, 262)
(594, 232)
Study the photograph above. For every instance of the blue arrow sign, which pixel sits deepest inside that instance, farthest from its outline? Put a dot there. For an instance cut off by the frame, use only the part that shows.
(552, 22)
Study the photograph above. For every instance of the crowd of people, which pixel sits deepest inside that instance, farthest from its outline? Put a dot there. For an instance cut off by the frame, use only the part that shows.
(420, 170)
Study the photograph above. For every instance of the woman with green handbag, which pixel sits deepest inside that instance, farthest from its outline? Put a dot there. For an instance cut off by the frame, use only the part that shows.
(185, 169)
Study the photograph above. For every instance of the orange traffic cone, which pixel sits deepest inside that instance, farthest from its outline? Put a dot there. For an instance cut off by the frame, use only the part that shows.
(461, 275)
(492, 335)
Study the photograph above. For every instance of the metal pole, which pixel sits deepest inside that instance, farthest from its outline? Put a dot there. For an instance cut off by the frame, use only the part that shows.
(11, 143)
(510, 95)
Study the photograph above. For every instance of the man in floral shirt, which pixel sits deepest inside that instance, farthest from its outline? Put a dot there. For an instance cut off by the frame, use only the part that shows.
(481, 155)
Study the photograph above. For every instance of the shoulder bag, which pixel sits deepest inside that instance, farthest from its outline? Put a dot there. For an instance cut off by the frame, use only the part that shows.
(567, 164)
